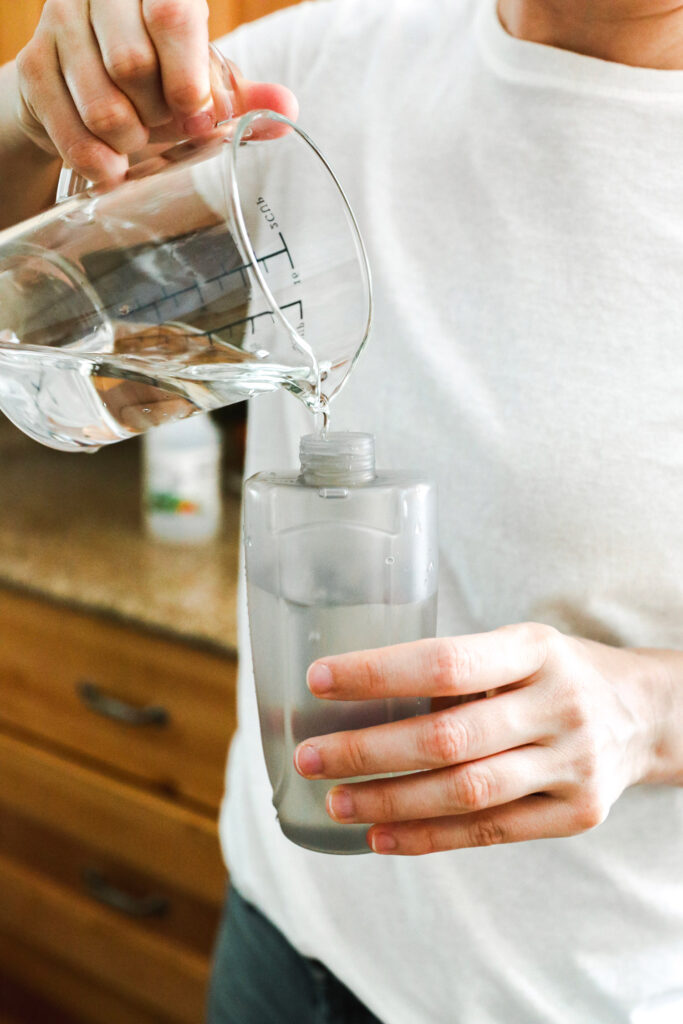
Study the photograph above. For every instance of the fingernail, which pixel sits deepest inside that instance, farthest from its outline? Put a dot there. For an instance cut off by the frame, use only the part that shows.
(340, 804)
(308, 760)
(199, 123)
(383, 842)
(319, 678)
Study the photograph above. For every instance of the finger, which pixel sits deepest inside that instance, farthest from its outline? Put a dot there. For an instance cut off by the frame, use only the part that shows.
(533, 817)
(130, 58)
(267, 96)
(140, 406)
(261, 129)
(448, 667)
(245, 96)
(104, 110)
(180, 33)
(459, 734)
(235, 95)
(489, 782)
(49, 102)
(142, 417)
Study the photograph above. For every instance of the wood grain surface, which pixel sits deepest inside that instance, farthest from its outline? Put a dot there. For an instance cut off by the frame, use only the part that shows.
(50, 653)
(129, 825)
(169, 979)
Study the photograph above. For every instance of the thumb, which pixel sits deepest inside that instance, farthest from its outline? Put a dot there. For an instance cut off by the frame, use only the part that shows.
(247, 95)
(266, 96)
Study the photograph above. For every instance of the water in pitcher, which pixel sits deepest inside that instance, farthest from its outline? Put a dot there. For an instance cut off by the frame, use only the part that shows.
(167, 336)
(152, 375)
(215, 271)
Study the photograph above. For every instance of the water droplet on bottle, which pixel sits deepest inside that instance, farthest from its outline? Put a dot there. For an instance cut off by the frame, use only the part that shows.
(390, 560)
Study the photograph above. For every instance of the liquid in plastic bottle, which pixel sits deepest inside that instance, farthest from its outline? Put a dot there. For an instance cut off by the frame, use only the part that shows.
(339, 558)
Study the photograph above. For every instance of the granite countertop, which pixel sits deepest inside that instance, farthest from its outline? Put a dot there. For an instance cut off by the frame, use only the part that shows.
(71, 531)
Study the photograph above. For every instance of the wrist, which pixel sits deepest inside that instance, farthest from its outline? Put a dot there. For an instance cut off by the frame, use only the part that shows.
(661, 683)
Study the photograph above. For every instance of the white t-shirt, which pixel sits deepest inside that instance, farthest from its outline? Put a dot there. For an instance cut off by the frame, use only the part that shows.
(523, 210)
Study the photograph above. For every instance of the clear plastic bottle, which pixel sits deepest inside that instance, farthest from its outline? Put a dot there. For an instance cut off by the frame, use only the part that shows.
(339, 558)
(181, 485)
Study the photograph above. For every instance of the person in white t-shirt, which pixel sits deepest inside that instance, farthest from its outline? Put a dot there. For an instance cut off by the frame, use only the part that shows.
(516, 170)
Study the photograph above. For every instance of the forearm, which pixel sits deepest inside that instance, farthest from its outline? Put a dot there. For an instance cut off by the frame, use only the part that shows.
(28, 174)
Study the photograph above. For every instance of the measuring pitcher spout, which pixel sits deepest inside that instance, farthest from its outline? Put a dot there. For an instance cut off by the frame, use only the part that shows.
(215, 272)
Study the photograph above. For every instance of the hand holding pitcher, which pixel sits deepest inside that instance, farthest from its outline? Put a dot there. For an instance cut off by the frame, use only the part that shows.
(99, 82)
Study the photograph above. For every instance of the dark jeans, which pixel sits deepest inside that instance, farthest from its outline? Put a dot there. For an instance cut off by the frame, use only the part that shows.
(259, 978)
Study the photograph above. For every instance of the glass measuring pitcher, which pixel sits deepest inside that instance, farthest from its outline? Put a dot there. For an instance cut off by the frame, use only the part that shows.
(217, 270)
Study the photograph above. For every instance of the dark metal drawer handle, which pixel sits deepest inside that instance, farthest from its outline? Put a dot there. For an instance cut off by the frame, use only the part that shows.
(132, 906)
(118, 710)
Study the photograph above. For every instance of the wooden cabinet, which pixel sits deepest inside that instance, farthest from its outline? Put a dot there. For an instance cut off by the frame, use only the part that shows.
(112, 750)
(146, 708)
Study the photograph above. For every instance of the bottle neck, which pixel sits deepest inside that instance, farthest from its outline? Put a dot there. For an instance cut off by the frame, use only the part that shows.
(337, 459)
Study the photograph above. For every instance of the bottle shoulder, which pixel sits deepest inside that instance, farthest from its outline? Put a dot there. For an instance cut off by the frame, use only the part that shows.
(384, 480)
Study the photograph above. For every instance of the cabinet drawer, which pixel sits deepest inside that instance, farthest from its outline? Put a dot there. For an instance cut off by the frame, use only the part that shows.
(96, 877)
(151, 862)
(150, 708)
(150, 971)
(54, 993)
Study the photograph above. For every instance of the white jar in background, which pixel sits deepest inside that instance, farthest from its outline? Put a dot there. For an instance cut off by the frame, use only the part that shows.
(181, 480)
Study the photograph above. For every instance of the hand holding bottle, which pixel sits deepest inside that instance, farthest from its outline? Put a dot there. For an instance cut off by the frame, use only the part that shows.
(553, 730)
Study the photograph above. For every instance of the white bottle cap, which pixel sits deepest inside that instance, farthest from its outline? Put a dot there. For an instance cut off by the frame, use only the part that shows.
(339, 458)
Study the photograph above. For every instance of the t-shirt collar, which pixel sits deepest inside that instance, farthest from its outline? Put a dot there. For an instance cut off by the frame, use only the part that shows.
(538, 64)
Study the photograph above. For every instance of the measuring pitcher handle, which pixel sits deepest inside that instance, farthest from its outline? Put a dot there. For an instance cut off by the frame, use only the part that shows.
(226, 92)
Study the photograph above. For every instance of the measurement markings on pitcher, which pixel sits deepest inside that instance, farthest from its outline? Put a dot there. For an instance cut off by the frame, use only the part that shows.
(199, 287)
(251, 320)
